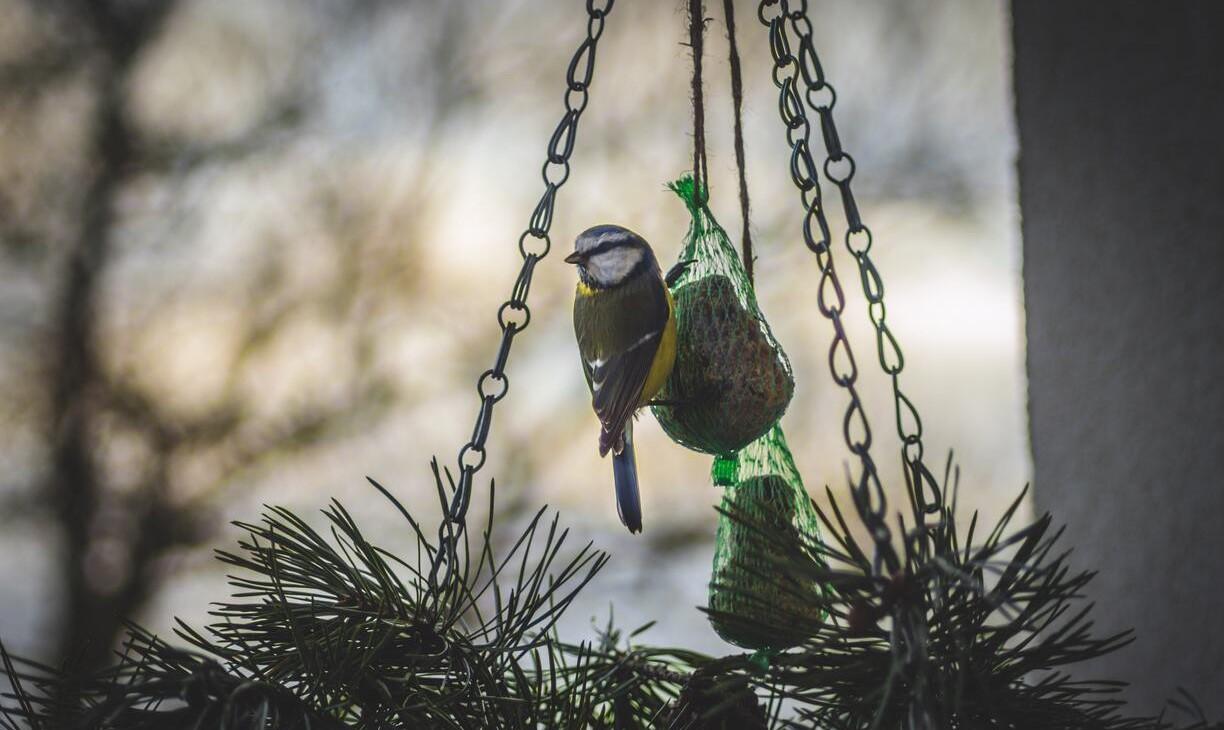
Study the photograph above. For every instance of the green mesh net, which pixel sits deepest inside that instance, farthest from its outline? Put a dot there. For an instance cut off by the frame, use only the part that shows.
(732, 380)
(730, 385)
(766, 516)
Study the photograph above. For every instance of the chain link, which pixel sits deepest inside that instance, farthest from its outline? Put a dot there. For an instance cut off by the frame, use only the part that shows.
(513, 316)
(789, 73)
(839, 168)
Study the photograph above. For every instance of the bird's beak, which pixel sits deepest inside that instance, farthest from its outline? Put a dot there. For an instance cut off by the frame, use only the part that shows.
(574, 258)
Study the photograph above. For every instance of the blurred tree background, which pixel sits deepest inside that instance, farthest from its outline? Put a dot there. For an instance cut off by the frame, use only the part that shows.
(249, 251)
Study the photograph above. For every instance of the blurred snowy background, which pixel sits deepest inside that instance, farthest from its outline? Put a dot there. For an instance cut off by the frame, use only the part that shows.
(251, 252)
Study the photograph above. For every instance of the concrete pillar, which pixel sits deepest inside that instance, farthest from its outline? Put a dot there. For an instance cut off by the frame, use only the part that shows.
(1120, 110)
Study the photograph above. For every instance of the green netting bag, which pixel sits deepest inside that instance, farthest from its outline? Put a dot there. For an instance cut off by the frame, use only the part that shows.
(731, 381)
(766, 520)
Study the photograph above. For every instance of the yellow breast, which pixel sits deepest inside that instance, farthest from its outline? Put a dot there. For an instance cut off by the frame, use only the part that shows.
(665, 356)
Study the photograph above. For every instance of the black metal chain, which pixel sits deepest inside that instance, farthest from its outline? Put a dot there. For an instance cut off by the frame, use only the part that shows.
(513, 316)
(805, 80)
(866, 489)
(839, 168)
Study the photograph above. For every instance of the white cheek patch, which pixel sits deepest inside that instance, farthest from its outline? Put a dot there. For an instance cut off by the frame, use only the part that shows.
(612, 266)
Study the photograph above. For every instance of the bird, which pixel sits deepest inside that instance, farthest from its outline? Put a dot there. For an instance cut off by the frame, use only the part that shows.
(625, 324)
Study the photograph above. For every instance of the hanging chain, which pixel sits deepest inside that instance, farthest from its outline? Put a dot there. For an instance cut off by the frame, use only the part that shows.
(867, 491)
(839, 168)
(806, 81)
(514, 315)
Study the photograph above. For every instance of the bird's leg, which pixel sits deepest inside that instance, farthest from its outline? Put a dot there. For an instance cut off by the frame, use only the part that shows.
(668, 403)
(677, 271)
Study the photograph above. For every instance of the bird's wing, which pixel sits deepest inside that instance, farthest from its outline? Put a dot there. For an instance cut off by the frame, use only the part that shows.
(618, 335)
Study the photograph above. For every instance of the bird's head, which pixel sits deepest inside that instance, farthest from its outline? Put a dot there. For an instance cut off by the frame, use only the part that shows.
(608, 256)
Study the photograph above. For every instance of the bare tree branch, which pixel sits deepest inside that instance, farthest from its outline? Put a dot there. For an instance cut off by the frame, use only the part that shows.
(75, 481)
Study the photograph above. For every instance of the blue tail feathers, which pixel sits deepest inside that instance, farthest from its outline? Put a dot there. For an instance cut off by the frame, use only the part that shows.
(624, 471)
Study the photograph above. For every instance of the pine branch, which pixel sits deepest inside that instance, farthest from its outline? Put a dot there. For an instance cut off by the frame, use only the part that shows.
(964, 635)
(326, 629)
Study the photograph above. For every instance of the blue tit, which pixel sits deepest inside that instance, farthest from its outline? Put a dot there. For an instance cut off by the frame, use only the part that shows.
(624, 319)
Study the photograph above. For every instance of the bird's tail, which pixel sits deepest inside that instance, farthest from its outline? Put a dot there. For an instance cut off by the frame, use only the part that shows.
(624, 471)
